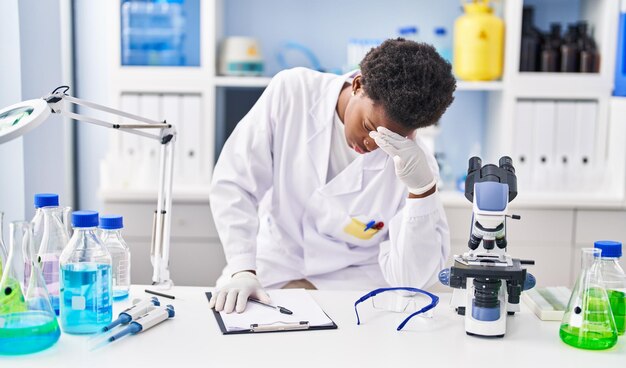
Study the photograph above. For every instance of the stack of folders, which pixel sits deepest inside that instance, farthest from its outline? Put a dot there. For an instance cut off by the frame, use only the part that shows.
(554, 145)
(132, 161)
(548, 303)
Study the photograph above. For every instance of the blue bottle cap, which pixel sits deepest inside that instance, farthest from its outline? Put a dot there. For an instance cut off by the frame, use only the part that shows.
(610, 248)
(46, 200)
(84, 218)
(407, 30)
(440, 31)
(111, 222)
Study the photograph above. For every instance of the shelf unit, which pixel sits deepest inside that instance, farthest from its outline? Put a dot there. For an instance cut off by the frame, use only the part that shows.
(501, 97)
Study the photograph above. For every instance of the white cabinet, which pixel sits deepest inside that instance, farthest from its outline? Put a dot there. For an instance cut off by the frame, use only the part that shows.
(544, 236)
(196, 254)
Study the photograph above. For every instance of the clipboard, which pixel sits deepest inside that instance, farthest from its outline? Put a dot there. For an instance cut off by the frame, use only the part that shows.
(277, 326)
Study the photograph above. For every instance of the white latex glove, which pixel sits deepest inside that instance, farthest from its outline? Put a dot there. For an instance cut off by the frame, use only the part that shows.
(409, 159)
(237, 291)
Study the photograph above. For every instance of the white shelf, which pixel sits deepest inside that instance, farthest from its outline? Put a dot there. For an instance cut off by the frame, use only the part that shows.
(544, 201)
(223, 81)
(191, 194)
(479, 86)
(561, 85)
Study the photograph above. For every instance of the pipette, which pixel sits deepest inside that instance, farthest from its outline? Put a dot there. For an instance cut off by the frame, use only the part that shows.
(146, 321)
(140, 308)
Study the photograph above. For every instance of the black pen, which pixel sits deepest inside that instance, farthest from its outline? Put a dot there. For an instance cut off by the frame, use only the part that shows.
(160, 294)
(282, 310)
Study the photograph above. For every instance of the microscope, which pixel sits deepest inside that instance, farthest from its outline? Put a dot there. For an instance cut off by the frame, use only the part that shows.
(487, 281)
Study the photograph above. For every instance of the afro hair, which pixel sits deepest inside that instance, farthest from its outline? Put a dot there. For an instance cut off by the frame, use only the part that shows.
(412, 82)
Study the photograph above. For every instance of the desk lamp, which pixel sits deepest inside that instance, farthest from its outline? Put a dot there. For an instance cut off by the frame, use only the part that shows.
(16, 120)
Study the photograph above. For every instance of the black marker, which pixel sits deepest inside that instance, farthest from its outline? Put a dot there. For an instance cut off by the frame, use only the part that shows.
(282, 310)
(160, 294)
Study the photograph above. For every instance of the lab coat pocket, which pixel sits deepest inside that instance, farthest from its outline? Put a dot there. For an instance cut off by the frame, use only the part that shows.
(352, 230)
(356, 229)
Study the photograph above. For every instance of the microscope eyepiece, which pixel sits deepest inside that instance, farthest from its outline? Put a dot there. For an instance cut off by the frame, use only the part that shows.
(506, 163)
(475, 163)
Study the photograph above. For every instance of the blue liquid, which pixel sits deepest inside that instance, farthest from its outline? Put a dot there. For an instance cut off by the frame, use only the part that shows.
(27, 332)
(86, 304)
(120, 294)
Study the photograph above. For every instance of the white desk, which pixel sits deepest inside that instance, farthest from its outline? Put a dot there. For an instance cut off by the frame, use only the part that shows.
(193, 339)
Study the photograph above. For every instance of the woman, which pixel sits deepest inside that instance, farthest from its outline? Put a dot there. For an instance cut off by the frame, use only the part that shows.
(302, 196)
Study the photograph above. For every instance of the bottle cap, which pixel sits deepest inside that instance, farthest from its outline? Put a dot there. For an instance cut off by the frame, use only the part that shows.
(84, 218)
(46, 200)
(610, 249)
(111, 222)
(407, 30)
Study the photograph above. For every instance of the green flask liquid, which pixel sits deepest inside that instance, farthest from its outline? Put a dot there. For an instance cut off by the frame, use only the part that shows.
(11, 297)
(617, 299)
(591, 325)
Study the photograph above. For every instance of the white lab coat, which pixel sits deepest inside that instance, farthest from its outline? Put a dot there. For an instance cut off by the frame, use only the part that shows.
(276, 214)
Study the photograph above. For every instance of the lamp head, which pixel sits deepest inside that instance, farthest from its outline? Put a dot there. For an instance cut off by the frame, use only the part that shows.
(20, 118)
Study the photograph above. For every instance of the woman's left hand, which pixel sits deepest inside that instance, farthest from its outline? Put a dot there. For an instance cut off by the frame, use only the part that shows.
(408, 158)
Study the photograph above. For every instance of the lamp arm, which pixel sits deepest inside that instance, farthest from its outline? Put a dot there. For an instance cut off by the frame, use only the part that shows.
(160, 247)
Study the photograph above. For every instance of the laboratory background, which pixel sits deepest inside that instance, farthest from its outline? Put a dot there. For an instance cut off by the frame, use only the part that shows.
(547, 87)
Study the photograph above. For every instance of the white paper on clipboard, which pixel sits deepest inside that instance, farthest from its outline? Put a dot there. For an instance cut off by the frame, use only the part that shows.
(299, 301)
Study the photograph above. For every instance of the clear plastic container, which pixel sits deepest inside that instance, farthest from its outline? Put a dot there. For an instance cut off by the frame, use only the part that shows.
(614, 280)
(442, 41)
(409, 33)
(86, 300)
(111, 235)
(153, 33)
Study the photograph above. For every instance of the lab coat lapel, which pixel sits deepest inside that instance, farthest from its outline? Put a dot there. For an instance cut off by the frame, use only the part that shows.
(322, 113)
(351, 180)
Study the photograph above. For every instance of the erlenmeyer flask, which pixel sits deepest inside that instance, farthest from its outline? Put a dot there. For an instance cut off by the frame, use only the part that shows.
(3, 249)
(588, 322)
(53, 240)
(12, 281)
(28, 323)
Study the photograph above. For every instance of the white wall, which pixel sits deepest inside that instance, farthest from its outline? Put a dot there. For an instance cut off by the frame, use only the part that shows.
(41, 66)
(91, 55)
(11, 153)
(31, 66)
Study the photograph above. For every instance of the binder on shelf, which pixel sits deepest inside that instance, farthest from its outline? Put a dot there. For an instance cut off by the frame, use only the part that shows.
(522, 144)
(148, 170)
(129, 146)
(306, 315)
(565, 150)
(543, 133)
(170, 104)
(586, 126)
(190, 134)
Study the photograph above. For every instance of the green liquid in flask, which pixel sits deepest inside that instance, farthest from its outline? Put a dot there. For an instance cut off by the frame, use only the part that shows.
(594, 329)
(618, 307)
(11, 297)
(27, 332)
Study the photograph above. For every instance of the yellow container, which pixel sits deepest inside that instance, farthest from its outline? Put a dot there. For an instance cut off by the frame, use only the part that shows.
(478, 43)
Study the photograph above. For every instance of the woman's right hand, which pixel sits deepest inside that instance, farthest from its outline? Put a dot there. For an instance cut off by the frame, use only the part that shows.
(235, 293)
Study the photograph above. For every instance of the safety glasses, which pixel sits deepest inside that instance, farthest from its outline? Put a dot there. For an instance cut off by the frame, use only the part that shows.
(401, 304)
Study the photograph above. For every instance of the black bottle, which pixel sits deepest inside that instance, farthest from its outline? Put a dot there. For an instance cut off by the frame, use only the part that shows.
(589, 56)
(570, 52)
(531, 42)
(551, 50)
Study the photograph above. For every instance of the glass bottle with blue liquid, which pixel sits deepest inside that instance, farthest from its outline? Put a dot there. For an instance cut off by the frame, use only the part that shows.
(111, 235)
(86, 280)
